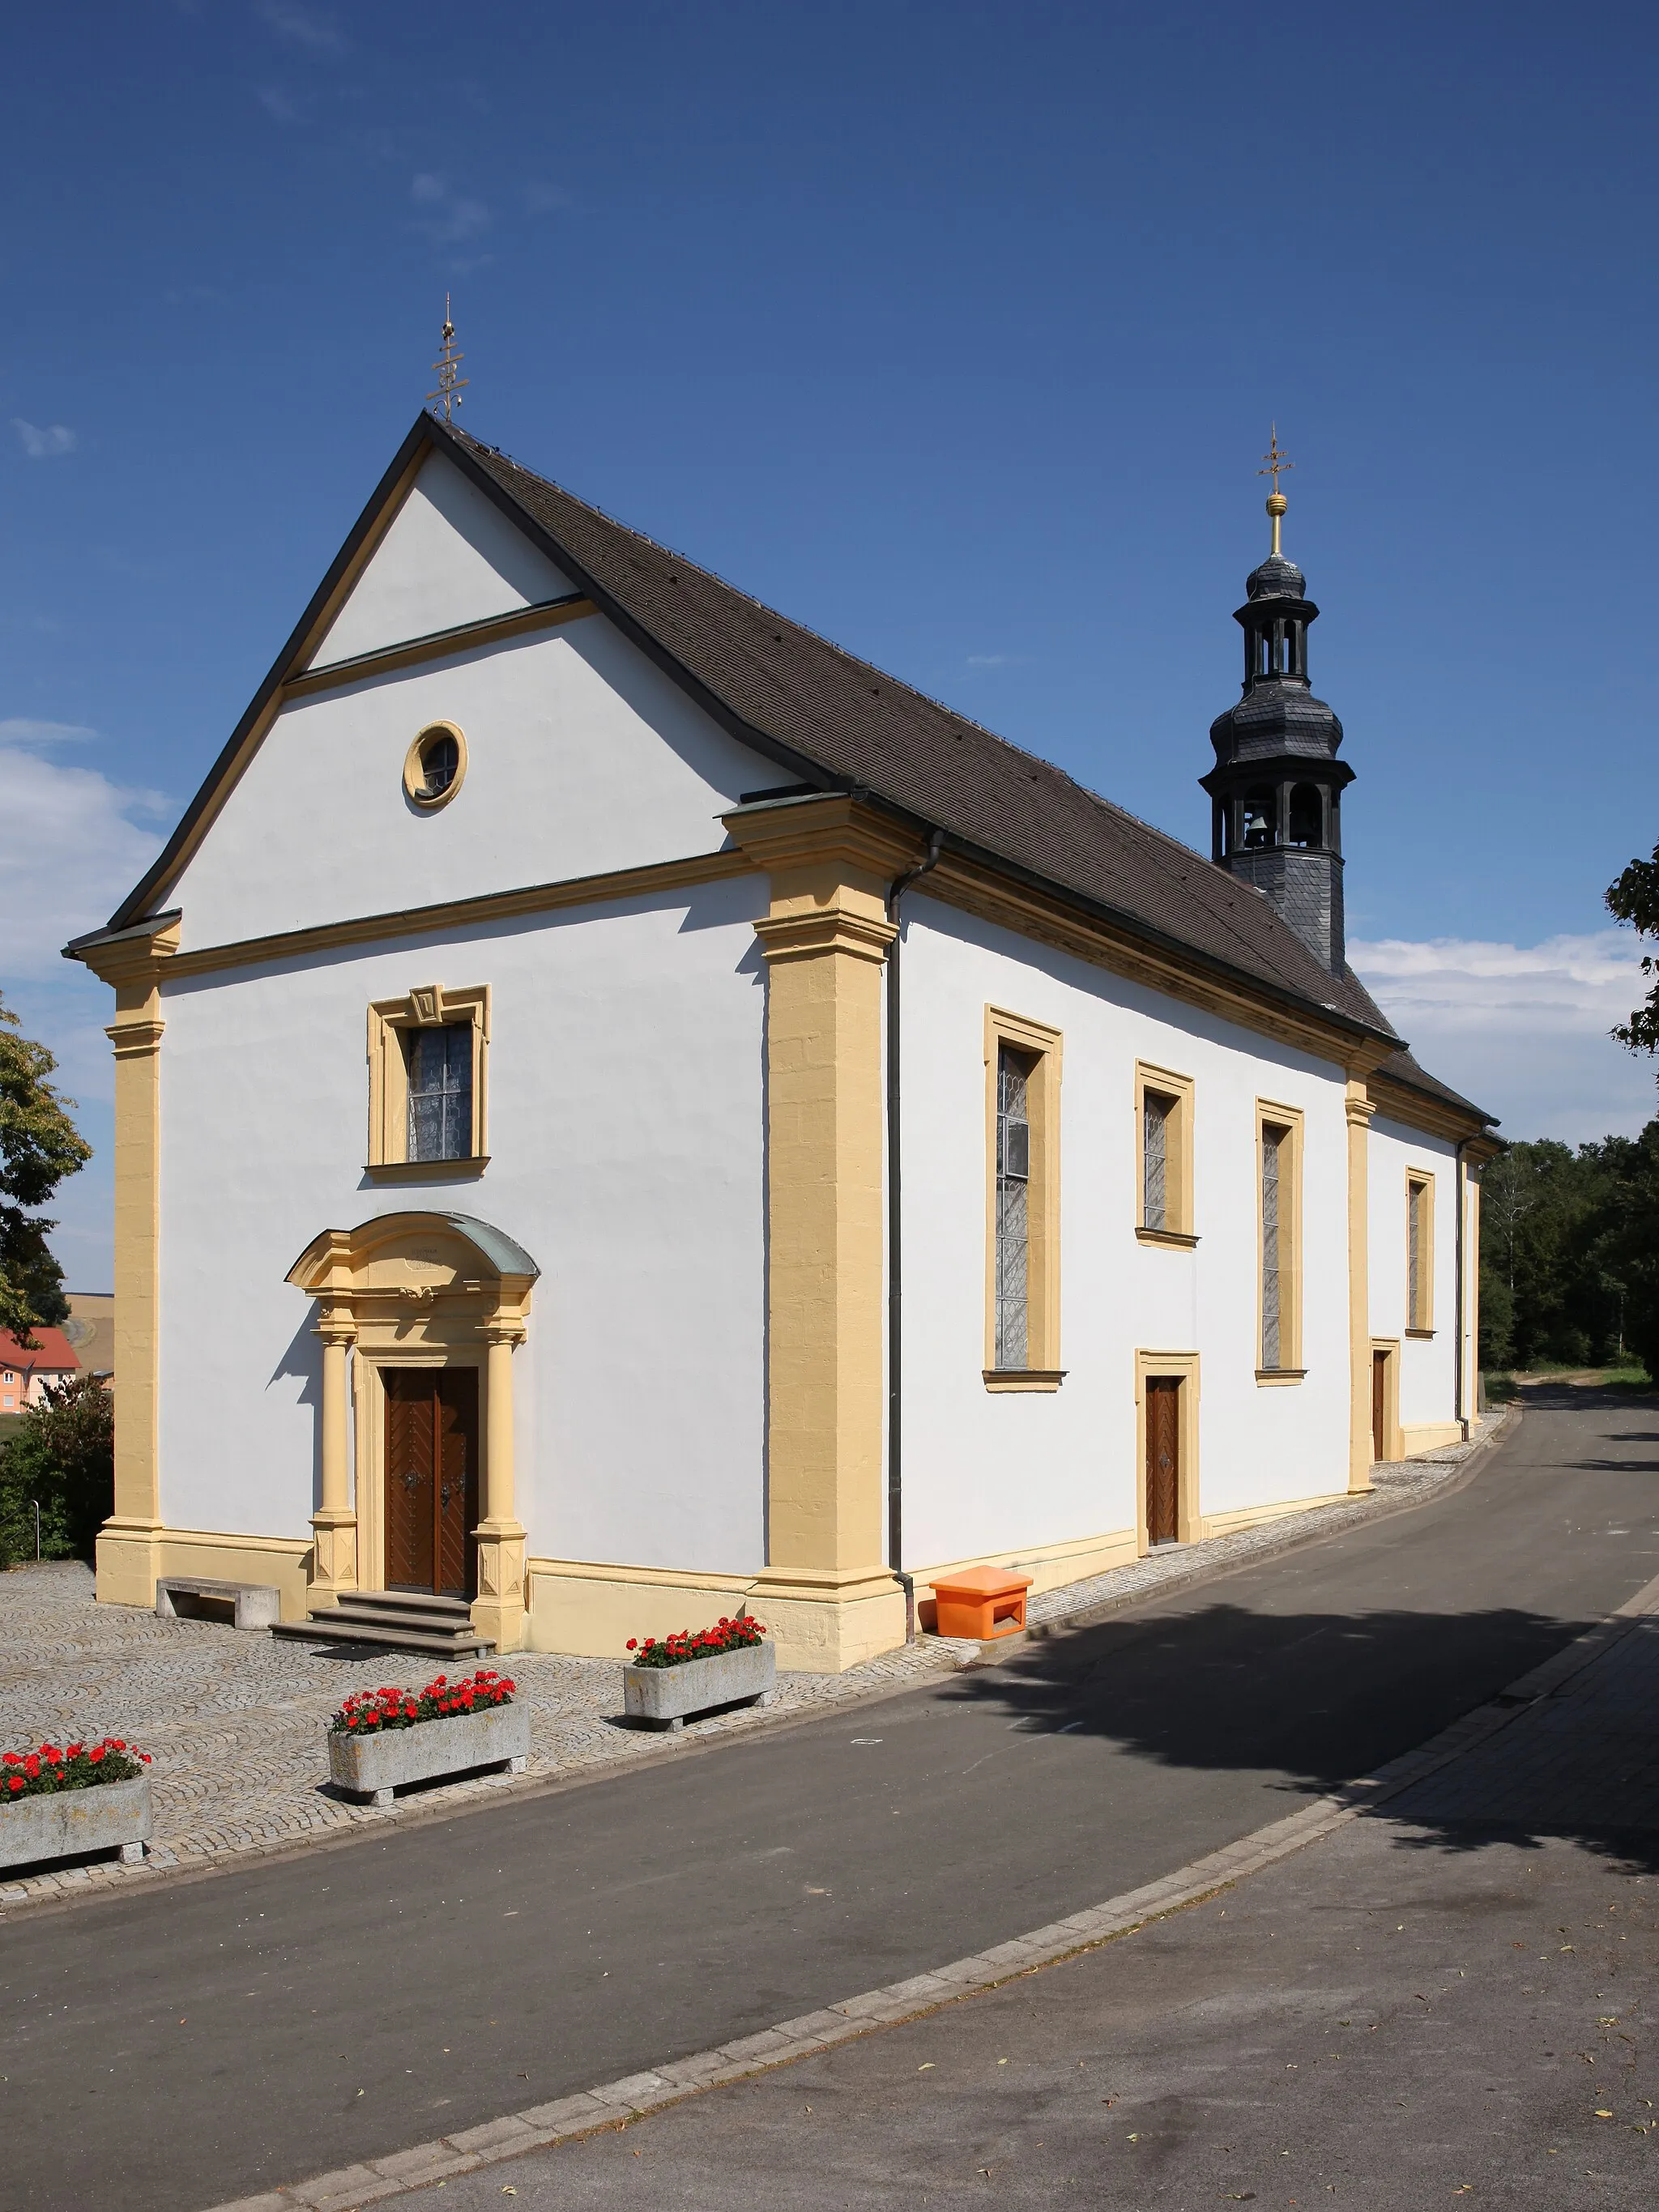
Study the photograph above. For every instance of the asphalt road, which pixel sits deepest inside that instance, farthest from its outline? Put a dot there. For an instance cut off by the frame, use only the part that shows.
(204, 2041)
(1375, 2024)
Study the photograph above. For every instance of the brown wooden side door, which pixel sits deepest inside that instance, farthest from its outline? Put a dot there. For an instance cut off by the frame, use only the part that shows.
(1162, 1459)
(431, 1479)
(1379, 1406)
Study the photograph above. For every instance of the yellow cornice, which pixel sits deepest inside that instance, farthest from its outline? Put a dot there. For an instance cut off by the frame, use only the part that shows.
(806, 841)
(136, 956)
(1438, 1117)
(1050, 920)
(438, 644)
(455, 914)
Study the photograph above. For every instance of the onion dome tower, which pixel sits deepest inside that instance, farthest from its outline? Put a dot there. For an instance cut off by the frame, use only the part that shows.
(1276, 787)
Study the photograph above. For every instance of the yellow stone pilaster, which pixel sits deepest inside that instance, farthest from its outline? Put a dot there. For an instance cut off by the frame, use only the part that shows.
(827, 1592)
(498, 1610)
(334, 1524)
(127, 1545)
(1360, 1109)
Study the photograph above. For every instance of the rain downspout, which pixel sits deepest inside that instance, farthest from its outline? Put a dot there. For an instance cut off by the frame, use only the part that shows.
(895, 1269)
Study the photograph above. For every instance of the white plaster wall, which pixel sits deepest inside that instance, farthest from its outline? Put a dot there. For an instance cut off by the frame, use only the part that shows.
(582, 757)
(450, 556)
(988, 1473)
(1427, 1364)
(626, 1136)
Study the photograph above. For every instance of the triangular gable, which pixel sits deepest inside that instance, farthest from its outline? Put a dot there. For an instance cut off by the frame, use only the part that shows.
(448, 556)
(318, 629)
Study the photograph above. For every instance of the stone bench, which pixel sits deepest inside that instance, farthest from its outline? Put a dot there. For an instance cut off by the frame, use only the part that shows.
(252, 1605)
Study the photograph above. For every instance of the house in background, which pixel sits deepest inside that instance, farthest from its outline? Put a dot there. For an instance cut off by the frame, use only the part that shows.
(25, 1373)
(624, 1110)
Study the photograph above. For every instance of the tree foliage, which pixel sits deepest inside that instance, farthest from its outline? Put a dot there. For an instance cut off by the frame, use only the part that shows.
(63, 1455)
(1570, 1253)
(38, 1146)
(1634, 899)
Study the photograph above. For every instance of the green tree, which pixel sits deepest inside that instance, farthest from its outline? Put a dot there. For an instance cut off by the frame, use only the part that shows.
(1628, 1241)
(62, 1457)
(38, 1146)
(1553, 1261)
(1634, 899)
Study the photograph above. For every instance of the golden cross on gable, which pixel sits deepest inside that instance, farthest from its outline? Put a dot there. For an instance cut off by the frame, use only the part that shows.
(1275, 460)
(447, 363)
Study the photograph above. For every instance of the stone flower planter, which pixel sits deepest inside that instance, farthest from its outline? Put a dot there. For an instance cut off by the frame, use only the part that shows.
(112, 1816)
(665, 1697)
(372, 1767)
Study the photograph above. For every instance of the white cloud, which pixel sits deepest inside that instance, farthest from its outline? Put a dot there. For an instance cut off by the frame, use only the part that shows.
(44, 445)
(988, 660)
(1522, 1028)
(454, 217)
(22, 729)
(70, 852)
(303, 26)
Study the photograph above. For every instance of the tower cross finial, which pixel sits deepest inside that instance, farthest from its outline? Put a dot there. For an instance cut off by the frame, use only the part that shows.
(448, 362)
(1277, 502)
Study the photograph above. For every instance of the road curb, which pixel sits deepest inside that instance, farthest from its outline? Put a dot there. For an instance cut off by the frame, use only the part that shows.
(617, 2104)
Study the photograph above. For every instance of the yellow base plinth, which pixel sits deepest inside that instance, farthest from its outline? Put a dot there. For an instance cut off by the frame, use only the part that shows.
(132, 1557)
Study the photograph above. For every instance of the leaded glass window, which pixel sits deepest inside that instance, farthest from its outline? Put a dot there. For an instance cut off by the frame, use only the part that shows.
(1415, 1303)
(1013, 1207)
(1154, 1161)
(441, 1093)
(1272, 1144)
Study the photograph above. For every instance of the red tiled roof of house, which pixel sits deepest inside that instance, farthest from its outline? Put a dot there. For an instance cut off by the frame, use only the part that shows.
(53, 1351)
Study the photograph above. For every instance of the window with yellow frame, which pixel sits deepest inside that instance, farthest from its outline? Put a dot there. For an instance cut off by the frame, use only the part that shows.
(428, 1082)
(1419, 1253)
(1021, 1292)
(1164, 1149)
(1279, 1217)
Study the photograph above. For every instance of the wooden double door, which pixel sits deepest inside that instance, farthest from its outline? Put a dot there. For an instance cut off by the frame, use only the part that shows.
(431, 1479)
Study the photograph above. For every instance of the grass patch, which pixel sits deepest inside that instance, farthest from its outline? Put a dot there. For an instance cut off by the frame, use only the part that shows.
(1503, 1389)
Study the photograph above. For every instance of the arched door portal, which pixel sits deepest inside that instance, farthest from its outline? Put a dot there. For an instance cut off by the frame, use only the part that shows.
(432, 1305)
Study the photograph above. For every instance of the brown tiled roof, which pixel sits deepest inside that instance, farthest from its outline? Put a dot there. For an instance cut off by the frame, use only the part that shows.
(832, 719)
(864, 727)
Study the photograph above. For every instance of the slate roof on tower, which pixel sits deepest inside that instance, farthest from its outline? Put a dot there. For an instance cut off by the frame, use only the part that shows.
(835, 721)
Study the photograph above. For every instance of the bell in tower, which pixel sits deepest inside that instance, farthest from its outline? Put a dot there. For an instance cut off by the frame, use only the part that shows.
(1275, 790)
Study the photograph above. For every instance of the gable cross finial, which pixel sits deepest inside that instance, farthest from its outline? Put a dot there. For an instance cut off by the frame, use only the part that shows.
(1277, 502)
(446, 366)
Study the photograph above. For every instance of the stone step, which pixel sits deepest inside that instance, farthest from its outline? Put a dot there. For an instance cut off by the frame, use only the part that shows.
(326, 1625)
(402, 1602)
(349, 1606)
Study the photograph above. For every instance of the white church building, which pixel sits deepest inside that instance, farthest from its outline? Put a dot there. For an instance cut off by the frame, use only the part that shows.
(623, 1108)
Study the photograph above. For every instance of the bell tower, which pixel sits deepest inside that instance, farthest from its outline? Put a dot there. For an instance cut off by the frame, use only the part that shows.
(1276, 788)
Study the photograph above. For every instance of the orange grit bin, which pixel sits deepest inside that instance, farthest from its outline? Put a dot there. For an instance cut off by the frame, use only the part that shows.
(985, 1602)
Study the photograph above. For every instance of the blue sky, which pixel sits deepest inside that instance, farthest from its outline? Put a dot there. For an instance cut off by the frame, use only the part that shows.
(953, 330)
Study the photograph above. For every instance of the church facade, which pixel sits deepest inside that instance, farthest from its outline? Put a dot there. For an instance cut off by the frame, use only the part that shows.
(624, 1110)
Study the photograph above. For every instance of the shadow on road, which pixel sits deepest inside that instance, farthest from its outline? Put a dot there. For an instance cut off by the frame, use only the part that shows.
(1323, 1699)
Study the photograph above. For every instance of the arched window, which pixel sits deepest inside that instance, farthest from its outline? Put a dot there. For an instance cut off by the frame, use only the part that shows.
(1257, 818)
(1306, 815)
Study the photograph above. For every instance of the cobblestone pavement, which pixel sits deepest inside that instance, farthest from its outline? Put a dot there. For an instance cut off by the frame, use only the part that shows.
(235, 1721)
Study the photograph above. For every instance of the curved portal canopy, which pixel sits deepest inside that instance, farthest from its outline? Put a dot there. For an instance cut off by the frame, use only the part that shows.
(419, 1255)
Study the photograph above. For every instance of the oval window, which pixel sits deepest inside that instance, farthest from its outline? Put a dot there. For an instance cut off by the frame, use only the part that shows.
(434, 766)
